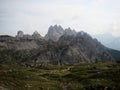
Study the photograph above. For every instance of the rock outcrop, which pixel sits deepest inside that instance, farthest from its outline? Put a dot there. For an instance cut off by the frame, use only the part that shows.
(36, 35)
(21, 35)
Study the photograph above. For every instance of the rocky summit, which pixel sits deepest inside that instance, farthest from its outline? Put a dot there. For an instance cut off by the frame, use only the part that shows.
(58, 47)
(56, 31)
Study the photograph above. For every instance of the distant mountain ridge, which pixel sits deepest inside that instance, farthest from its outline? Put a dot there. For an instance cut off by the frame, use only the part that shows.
(58, 47)
(109, 40)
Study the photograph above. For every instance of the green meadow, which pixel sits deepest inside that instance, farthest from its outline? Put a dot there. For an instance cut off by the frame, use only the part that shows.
(84, 76)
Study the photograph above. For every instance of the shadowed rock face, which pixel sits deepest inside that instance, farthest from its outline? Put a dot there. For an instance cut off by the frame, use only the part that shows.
(62, 47)
(82, 48)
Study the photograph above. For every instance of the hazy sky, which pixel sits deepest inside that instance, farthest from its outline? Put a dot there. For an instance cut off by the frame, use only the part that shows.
(92, 16)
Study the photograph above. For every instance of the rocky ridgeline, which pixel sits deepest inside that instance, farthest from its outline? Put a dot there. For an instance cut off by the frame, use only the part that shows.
(20, 42)
(55, 32)
(59, 47)
(21, 35)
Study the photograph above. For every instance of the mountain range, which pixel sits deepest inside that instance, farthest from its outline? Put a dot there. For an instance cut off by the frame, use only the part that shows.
(109, 40)
(58, 47)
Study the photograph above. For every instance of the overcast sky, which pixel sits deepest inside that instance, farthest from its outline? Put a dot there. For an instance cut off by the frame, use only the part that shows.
(92, 16)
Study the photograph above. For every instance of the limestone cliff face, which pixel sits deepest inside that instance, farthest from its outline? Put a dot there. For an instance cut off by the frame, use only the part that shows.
(62, 47)
(56, 31)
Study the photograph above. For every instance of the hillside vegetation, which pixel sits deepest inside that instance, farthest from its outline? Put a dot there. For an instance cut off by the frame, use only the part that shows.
(85, 76)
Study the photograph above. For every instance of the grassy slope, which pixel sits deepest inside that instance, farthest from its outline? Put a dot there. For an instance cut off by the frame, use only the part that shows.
(85, 76)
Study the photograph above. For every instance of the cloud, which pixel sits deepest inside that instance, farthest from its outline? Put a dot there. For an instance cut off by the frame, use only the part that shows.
(93, 16)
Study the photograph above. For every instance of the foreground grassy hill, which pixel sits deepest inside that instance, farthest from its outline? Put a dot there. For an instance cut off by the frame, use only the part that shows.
(85, 76)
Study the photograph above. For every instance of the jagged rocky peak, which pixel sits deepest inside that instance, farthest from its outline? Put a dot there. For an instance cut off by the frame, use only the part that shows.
(58, 27)
(69, 31)
(36, 35)
(54, 33)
